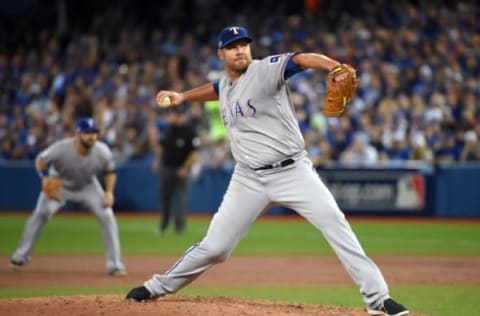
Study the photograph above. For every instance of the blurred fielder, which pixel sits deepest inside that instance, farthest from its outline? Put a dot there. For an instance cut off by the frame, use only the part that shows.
(68, 170)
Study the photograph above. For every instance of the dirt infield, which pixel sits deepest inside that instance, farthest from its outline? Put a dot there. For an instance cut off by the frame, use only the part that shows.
(169, 306)
(81, 271)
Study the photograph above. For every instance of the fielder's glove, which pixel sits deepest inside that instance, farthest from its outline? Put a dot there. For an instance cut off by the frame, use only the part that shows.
(51, 187)
(341, 87)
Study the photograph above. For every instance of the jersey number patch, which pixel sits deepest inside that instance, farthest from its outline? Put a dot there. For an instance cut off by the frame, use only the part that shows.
(274, 59)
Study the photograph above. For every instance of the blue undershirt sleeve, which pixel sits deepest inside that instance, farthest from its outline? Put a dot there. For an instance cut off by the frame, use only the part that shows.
(291, 68)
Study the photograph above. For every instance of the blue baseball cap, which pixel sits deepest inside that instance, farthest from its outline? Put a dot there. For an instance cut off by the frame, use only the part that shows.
(231, 34)
(87, 125)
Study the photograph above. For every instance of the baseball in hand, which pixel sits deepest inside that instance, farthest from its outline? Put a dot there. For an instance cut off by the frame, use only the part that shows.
(164, 102)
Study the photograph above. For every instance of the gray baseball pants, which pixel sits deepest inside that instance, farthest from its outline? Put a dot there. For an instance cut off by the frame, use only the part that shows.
(250, 192)
(91, 197)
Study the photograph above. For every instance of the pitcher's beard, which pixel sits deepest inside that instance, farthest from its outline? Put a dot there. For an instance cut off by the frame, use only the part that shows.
(239, 69)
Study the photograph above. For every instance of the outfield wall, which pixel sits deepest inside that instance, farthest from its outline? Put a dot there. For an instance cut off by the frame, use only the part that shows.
(443, 191)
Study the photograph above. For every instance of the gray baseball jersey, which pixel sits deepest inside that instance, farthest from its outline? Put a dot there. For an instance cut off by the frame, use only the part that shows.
(81, 186)
(264, 131)
(76, 170)
(258, 114)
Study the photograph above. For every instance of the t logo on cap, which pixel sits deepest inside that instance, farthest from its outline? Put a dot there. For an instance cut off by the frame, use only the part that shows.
(231, 34)
(87, 125)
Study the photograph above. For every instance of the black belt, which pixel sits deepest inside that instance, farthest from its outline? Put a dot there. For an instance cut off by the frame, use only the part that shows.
(283, 163)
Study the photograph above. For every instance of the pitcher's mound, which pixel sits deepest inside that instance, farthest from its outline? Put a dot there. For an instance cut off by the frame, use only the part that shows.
(167, 306)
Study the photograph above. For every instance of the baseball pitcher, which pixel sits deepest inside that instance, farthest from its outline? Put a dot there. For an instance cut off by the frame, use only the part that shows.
(68, 170)
(271, 166)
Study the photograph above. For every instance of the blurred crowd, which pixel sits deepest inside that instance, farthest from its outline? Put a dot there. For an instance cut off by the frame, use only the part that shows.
(418, 64)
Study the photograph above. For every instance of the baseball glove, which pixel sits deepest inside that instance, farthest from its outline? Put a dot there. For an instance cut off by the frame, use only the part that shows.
(341, 87)
(51, 187)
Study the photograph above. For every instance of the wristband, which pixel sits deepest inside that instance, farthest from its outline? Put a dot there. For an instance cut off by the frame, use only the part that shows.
(42, 173)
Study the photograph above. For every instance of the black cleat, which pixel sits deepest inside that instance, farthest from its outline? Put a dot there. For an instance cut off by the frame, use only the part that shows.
(388, 308)
(16, 264)
(139, 294)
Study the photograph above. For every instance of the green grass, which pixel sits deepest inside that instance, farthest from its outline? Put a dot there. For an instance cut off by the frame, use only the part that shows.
(79, 235)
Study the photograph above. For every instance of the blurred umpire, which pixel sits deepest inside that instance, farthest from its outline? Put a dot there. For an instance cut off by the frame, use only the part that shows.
(176, 152)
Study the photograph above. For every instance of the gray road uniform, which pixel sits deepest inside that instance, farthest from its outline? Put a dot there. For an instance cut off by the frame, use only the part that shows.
(272, 167)
(80, 186)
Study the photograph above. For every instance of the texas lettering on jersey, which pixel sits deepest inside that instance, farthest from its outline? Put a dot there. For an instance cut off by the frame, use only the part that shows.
(236, 110)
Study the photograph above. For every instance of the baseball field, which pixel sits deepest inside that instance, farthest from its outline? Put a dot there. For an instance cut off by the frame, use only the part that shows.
(282, 267)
